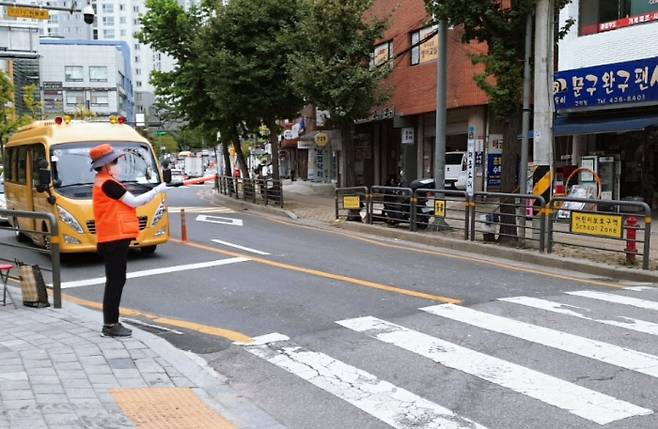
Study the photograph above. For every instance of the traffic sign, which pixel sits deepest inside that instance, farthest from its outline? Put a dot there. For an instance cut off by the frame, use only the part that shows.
(27, 12)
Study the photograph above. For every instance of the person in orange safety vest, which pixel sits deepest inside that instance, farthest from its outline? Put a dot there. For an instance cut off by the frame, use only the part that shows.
(117, 225)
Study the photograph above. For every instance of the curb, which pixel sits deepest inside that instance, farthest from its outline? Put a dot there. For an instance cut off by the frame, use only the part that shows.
(212, 387)
(509, 253)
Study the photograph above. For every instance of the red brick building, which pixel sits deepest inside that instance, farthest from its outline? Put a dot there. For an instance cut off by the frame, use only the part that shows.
(398, 139)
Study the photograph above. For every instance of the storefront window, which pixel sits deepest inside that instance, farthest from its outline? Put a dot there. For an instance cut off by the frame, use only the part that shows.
(604, 15)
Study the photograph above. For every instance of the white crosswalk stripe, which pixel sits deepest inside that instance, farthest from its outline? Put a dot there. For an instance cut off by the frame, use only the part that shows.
(637, 325)
(616, 299)
(391, 404)
(201, 210)
(612, 354)
(583, 402)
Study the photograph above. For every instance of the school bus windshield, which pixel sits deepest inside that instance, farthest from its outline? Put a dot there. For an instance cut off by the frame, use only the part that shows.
(71, 166)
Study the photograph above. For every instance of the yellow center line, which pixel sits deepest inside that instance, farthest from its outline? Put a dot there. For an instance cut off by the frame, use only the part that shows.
(331, 276)
(231, 335)
(453, 256)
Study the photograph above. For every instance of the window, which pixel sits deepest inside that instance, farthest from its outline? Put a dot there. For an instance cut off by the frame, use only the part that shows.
(123, 33)
(38, 153)
(108, 20)
(122, 20)
(73, 73)
(100, 99)
(10, 165)
(138, 72)
(122, 7)
(75, 98)
(108, 8)
(605, 15)
(136, 9)
(139, 84)
(136, 59)
(98, 73)
(137, 46)
(382, 54)
(21, 166)
(108, 33)
(426, 51)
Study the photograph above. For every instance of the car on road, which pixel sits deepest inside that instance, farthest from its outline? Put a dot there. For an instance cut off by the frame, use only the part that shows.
(3, 202)
(177, 177)
(455, 170)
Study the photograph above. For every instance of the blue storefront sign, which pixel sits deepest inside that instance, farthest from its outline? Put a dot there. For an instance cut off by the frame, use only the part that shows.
(494, 169)
(607, 86)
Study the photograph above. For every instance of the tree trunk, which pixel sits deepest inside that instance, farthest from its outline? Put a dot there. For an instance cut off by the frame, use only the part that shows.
(242, 162)
(509, 177)
(347, 136)
(227, 160)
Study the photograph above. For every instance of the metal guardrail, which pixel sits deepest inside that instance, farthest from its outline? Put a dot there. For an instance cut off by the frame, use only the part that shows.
(601, 225)
(521, 218)
(510, 217)
(442, 209)
(391, 205)
(350, 202)
(52, 245)
(257, 191)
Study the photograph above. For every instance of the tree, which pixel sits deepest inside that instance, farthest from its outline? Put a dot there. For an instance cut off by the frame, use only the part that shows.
(32, 104)
(165, 144)
(331, 64)
(9, 122)
(501, 26)
(231, 71)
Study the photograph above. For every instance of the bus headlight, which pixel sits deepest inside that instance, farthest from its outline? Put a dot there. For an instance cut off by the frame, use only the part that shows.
(162, 209)
(68, 219)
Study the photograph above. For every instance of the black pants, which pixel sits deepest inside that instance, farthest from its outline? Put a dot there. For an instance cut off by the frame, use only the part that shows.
(115, 254)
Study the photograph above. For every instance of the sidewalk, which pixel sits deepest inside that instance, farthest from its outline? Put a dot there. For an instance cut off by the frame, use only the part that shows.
(56, 371)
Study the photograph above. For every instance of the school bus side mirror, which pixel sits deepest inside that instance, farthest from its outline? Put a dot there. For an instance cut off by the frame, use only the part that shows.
(44, 176)
(166, 175)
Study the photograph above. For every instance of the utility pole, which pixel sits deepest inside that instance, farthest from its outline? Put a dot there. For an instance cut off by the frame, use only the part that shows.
(441, 106)
(543, 98)
(525, 129)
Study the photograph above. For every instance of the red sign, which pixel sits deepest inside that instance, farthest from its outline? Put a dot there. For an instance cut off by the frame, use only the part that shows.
(620, 23)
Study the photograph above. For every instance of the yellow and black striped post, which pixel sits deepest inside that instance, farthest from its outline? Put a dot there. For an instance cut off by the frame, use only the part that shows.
(542, 179)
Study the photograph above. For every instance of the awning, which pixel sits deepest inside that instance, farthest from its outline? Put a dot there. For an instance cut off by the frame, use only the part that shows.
(578, 126)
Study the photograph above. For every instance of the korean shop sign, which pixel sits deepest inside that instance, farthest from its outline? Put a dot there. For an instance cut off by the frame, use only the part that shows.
(607, 86)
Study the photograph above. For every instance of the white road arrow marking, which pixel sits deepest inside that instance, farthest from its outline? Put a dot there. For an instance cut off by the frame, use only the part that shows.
(237, 246)
(220, 220)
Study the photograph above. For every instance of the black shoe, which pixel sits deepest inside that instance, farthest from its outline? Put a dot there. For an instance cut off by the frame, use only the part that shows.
(116, 330)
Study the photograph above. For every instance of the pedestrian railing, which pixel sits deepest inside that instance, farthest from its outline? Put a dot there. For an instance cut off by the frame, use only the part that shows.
(43, 229)
(523, 220)
(513, 218)
(257, 191)
(441, 210)
(391, 205)
(612, 226)
(350, 202)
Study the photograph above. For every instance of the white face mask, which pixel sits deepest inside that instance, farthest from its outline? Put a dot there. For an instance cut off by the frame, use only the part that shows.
(114, 170)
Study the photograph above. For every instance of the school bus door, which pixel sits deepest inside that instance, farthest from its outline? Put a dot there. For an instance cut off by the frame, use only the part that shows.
(39, 199)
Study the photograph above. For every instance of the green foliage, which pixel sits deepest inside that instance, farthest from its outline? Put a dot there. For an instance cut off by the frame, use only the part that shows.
(34, 106)
(194, 138)
(330, 65)
(9, 123)
(502, 29)
(168, 143)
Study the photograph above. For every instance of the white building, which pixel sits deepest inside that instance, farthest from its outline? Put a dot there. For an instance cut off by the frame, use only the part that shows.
(606, 95)
(89, 74)
(117, 20)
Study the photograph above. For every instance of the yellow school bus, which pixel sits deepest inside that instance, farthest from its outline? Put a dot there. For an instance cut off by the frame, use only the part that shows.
(60, 149)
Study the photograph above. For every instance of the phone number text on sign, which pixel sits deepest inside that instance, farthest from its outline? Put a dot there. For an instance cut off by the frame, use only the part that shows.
(599, 225)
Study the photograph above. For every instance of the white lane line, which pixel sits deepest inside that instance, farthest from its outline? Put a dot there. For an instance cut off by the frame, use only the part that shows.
(156, 271)
(220, 220)
(641, 288)
(583, 402)
(201, 210)
(237, 246)
(391, 404)
(637, 325)
(604, 352)
(616, 299)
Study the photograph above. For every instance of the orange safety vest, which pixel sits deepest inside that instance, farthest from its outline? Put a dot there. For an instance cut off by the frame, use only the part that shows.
(114, 219)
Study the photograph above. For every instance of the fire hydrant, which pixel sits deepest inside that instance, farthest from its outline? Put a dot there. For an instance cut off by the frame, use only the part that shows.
(631, 237)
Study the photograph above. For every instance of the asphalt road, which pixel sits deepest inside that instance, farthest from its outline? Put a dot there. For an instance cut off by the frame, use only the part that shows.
(496, 345)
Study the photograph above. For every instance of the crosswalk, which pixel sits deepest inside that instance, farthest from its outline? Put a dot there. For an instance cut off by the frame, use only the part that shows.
(554, 325)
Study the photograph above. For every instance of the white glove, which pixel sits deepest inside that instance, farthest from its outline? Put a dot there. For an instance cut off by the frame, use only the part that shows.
(137, 201)
(160, 188)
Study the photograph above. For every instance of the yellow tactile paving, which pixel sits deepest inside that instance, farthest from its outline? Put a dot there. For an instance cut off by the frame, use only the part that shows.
(168, 408)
